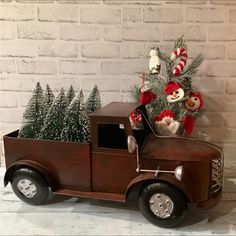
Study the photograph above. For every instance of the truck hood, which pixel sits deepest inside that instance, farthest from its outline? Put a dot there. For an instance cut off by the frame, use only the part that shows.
(179, 148)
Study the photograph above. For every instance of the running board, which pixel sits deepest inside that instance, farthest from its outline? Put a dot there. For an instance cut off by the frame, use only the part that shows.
(95, 195)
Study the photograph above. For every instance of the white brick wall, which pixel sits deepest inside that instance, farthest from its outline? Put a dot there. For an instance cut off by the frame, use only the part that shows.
(63, 42)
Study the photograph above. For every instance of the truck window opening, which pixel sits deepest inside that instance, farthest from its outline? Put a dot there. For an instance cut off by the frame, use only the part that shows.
(111, 136)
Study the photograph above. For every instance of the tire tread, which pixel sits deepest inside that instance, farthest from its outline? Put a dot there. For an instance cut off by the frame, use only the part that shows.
(37, 178)
(177, 197)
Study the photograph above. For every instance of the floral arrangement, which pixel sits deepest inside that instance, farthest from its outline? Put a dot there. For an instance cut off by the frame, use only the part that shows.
(172, 104)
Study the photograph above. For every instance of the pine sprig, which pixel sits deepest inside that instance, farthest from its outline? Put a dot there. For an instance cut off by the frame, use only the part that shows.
(180, 43)
(166, 58)
(135, 92)
(198, 113)
(193, 67)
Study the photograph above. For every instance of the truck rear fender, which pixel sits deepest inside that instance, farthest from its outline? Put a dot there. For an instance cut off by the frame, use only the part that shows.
(33, 165)
(147, 178)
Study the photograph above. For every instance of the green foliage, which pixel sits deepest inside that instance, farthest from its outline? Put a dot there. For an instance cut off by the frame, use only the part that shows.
(33, 116)
(76, 124)
(135, 92)
(93, 102)
(62, 118)
(70, 94)
(180, 43)
(193, 67)
(48, 99)
(54, 120)
(160, 103)
(168, 63)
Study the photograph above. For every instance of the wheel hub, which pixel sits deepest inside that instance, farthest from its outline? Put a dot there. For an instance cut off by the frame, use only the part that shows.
(161, 205)
(27, 188)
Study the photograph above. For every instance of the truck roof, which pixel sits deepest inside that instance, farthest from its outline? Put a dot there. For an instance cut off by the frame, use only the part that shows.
(116, 109)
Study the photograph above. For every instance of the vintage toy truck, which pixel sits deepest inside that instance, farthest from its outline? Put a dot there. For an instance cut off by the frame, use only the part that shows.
(166, 173)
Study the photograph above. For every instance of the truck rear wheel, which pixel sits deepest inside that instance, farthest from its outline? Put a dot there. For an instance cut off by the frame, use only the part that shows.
(162, 204)
(30, 186)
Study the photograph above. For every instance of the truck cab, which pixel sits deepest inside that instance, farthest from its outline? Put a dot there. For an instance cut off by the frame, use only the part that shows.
(166, 172)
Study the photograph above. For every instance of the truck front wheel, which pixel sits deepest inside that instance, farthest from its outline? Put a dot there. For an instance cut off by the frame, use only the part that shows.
(162, 204)
(30, 186)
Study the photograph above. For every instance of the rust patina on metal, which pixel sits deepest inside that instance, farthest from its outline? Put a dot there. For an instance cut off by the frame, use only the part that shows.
(109, 168)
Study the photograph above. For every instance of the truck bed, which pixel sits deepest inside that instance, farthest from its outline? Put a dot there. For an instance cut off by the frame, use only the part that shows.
(67, 162)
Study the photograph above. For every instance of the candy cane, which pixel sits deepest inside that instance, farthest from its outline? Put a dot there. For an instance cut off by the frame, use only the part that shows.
(179, 52)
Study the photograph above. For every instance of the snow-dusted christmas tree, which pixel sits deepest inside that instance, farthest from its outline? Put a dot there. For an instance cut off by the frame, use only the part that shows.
(54, 120)
(48, 99)
(70, 94)
(93, 101)
(33, 116)
(76, 127)
(84, 120)
(171, 102)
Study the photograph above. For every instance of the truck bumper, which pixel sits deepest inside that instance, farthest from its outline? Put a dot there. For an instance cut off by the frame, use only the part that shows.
(210, 202)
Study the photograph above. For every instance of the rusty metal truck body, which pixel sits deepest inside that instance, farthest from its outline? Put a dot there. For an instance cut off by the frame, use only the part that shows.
(107, 169)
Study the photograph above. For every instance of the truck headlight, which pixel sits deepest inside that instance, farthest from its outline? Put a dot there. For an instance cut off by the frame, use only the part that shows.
(179, 170)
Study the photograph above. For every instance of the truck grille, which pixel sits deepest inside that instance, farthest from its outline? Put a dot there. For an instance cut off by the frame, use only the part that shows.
(216, 176)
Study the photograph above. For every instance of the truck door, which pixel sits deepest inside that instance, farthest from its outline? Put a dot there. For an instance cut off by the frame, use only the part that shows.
(112, 166)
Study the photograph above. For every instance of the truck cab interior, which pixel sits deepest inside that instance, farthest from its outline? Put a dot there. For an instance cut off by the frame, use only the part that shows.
(113, 135)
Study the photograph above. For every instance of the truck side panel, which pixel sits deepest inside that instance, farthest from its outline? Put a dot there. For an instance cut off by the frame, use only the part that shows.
(67, 162)
(112, 170)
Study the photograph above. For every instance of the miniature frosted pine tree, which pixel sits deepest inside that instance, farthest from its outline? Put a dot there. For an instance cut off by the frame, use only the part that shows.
(76, 128)
(48, 99)
(70, 94)
(93, 102)
(54, 121)
(34, 115)
(84, 120)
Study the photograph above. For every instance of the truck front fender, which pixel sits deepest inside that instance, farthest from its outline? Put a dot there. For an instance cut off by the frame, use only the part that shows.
(146, 178)
(30, 164)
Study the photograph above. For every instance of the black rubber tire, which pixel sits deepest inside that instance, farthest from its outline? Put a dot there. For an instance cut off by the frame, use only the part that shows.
(179, 204)
(42, 190)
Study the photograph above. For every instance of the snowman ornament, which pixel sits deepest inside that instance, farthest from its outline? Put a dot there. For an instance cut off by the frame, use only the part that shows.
(166, 124)
(193, 102)
(154, 62)
(174, 92)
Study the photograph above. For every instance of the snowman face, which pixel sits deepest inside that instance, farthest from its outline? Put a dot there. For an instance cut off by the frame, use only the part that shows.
(192, 103)
(175, 96)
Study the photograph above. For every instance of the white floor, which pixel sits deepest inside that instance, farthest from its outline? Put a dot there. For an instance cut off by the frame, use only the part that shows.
(73, 216)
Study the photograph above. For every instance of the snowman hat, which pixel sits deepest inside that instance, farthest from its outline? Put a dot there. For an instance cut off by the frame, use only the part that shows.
(171, 87)
(165, 113)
